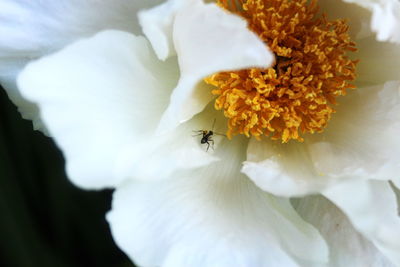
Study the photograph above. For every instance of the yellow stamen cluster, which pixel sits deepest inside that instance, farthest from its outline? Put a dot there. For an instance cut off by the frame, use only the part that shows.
(311, 69)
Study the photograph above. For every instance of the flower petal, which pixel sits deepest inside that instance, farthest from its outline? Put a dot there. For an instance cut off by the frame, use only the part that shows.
(157, 24)
(385, 18)
(371, 206)
(161, 156)
(207, 39)
(361, 142)
(98, 97)
(356, 17)
(347, 247)
(282, 169)
(38, 27)
(379, 62)
(31, 29)
(28, 110)
(213, 216)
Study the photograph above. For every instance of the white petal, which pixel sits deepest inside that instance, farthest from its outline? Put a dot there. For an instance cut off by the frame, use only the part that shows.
(99, 96)
(372, 209)
(211, 217)
(34, 28)
(361, 142)
(207, 39)
(356, 17)
(162, 155)
(31, 29)
(347, 247)
(28, 110)
(385, 18)
(362, 138)
(379, 62)
(282, 169)
(157, 24)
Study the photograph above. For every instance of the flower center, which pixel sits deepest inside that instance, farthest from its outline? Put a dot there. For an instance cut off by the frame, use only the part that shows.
(311, 69)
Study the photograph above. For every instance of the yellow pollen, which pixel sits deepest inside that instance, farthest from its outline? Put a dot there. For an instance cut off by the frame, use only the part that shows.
(297, 94)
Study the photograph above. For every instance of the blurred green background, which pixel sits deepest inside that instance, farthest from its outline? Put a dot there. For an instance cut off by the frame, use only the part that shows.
(45, 220)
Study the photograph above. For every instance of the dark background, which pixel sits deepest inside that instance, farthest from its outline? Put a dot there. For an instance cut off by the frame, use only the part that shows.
(44, 219)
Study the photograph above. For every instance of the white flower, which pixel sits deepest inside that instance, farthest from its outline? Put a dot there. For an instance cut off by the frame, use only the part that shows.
(124, 119)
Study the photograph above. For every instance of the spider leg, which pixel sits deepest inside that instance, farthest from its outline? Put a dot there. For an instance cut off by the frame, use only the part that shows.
(212, 128)
(220, 134)
(208, 146)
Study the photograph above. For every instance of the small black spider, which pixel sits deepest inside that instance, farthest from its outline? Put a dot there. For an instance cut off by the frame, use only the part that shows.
(207, 136)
